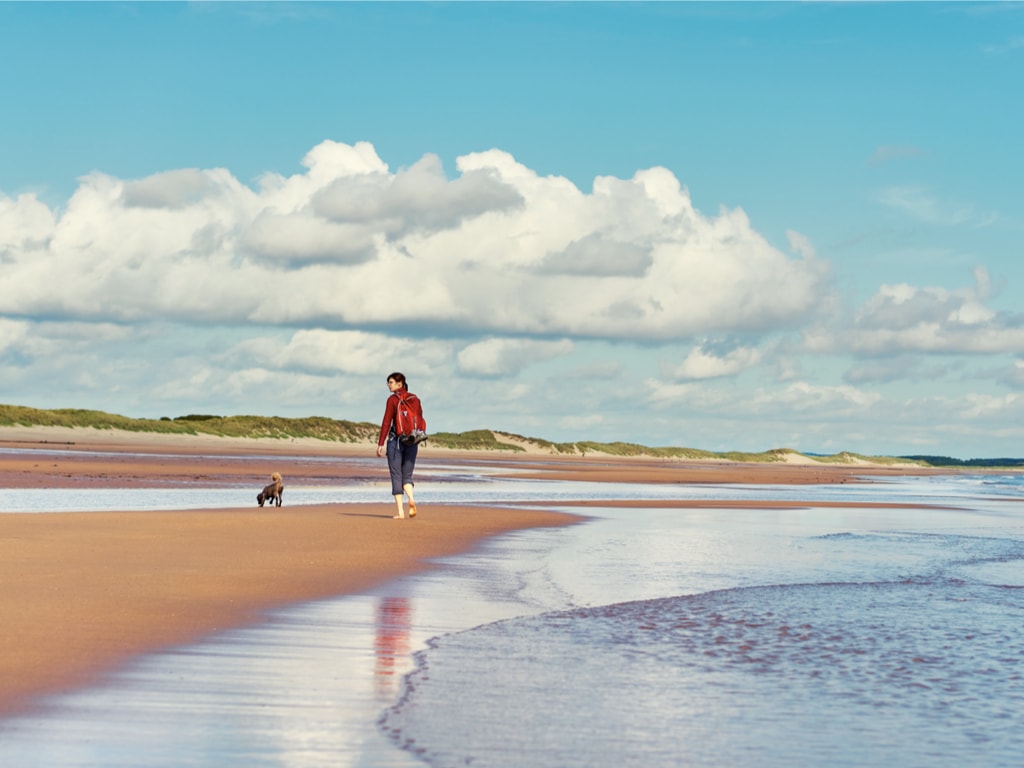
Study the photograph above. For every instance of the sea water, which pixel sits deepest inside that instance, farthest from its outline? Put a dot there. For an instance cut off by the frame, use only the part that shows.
(449, 484)
(812, 636)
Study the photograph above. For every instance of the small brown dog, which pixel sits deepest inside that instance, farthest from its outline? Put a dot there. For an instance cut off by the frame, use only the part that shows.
(273, 492)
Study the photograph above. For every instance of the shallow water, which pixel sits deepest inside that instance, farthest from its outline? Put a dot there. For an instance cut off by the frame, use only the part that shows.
(457, 485)
(718, 637)
(901, 673)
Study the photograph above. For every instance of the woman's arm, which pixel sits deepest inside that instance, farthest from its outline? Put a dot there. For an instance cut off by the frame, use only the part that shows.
(389, 416)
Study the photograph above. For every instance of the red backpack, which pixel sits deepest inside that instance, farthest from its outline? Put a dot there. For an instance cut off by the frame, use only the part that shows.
(408, 415)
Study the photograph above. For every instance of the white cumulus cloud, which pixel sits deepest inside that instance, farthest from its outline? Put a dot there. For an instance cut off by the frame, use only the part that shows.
(320, 351)
(704, 363)
(497, 249)
(902, 318)
(495, 357)
(25, 225)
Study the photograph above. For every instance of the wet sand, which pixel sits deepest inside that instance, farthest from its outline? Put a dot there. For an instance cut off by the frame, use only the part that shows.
(66, 458)
(81, 593)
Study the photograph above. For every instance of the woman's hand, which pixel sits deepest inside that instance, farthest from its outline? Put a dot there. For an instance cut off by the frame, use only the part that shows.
(380, 451)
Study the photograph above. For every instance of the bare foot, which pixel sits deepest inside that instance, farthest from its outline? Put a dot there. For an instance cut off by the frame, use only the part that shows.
(412, 509)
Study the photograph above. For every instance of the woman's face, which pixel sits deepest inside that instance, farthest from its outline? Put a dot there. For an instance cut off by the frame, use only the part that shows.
(393, 385)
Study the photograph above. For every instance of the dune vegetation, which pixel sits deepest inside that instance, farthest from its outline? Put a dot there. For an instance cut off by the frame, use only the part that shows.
(323, 428)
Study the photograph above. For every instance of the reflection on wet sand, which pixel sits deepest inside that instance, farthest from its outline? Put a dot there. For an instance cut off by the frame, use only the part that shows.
(391, 645)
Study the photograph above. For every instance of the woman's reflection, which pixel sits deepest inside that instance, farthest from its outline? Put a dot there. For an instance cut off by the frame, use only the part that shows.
(391, 645)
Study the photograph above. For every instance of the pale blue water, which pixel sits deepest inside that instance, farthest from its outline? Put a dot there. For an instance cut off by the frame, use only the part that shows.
(465, 485)
(648, 637)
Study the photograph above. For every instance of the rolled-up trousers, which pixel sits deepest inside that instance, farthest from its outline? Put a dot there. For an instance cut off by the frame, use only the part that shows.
(401, 463)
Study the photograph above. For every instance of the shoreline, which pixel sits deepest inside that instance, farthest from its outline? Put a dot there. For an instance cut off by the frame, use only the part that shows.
(84, 592)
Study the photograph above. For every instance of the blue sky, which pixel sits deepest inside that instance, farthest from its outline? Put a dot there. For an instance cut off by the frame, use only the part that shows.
(723, 226)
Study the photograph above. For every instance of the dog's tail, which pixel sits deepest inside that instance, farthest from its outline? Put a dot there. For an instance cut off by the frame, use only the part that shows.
(276, 477)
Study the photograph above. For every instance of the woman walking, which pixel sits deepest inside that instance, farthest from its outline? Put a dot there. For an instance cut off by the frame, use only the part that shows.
(403, 428)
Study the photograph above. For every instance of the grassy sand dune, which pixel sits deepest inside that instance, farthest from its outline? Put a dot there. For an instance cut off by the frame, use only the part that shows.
(340, 431)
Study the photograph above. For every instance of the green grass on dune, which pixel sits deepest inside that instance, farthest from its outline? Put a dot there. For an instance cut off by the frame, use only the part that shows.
(317, 427)
(474, 440)
(332, 430)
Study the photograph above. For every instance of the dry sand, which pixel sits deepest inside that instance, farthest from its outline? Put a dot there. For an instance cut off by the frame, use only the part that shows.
(81, 593)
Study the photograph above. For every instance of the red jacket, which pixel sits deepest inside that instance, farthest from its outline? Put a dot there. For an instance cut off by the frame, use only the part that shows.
(389, 417)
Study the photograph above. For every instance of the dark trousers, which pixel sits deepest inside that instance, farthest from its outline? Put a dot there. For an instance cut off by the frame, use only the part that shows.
(401, 463)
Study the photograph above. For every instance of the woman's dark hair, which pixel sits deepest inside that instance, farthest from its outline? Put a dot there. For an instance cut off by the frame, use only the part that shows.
(400, 378)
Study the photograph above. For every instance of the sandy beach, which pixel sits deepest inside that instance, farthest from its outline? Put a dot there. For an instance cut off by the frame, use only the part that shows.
(81, 593)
